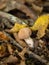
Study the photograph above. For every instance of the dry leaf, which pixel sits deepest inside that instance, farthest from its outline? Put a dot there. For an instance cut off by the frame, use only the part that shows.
(2, 50)
(11, 59)
(21, 54)
(3, 4)
(22, 62)
(3, 36)
(10, 48)
(41, 30)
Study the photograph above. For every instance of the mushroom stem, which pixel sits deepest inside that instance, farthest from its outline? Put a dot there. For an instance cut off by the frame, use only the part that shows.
(30, 42)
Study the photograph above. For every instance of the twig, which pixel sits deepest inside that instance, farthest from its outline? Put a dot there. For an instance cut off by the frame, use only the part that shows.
(11, 18)
(13, 41)
(38, 57)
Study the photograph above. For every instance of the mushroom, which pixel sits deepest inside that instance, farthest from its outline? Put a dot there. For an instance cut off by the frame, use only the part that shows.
(24, 34)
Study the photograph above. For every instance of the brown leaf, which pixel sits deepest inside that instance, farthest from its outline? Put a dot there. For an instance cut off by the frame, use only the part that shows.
(3, 3)
(3, 36)
(21, 54)
(22, 62)
(2, 50)
(10, 48)
(11, 59)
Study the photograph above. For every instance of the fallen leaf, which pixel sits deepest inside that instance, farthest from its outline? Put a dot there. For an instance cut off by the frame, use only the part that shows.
(3, 4)
(17, 27)
(3, 36)
(41, 25)
(22, 62)
(2, 50)
(21, 54)
(10, 48)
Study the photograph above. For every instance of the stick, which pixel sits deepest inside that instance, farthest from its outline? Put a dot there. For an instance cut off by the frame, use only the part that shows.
(13, 41)
(38, 57)
(11, 18)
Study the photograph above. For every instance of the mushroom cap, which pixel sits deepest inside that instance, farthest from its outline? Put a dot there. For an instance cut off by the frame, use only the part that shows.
(24, 33)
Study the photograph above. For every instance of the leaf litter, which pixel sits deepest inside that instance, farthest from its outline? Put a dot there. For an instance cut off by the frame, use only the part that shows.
(24, 32)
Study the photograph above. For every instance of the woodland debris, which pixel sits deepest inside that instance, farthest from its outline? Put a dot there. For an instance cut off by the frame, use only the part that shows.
(21, 54)
(11, 18)
(10, 48)
(39, 58)
(11, 59)
(43, 22)
(37, 8)
(13, 41)
(3, 36)
(3, 4)
(21, 7)
(23, 40)
(2, 50)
